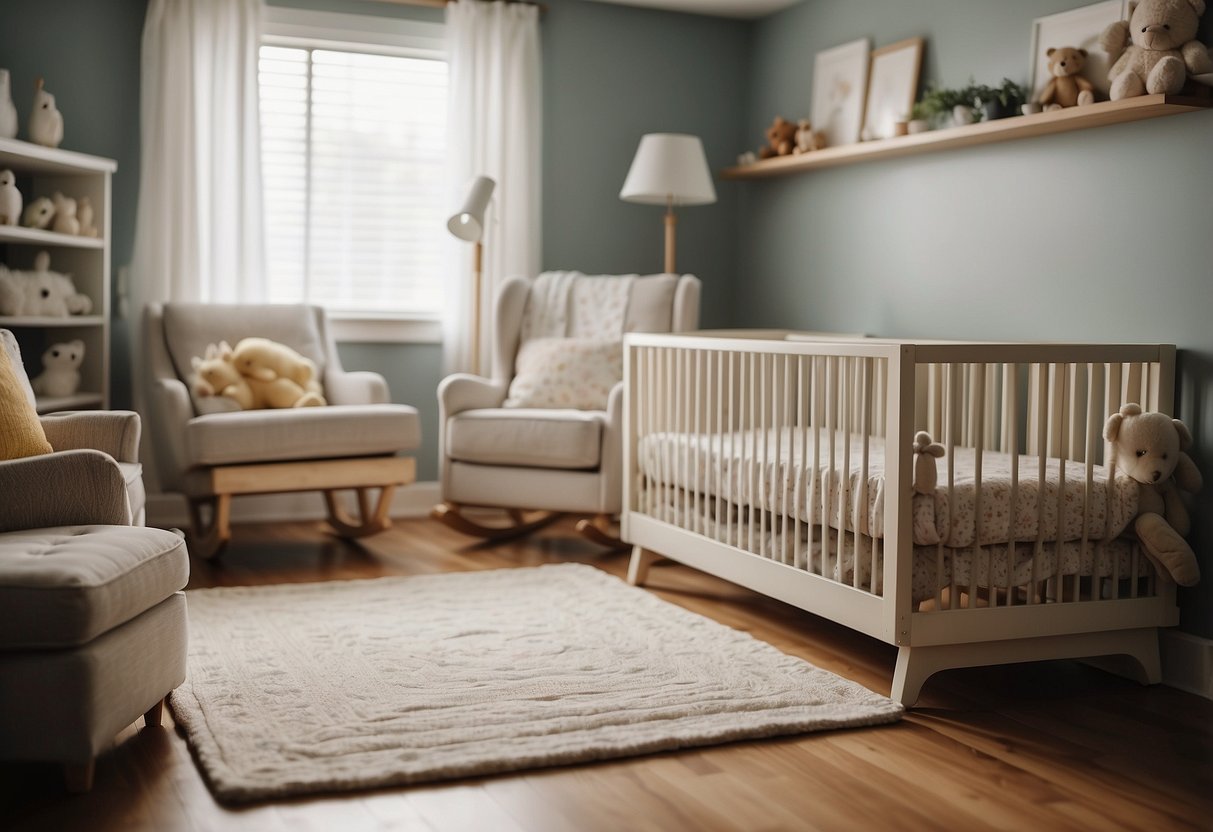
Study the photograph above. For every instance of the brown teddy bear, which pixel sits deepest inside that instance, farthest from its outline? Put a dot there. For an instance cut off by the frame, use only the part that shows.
(780, 138)
(1150, 448)
(1067, 87)
(1156, 48)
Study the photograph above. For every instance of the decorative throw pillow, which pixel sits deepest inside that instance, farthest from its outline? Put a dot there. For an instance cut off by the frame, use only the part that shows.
(21, 433)
(572, 373)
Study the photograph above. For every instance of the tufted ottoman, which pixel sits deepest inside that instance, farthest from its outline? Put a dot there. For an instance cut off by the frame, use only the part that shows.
(92, 635)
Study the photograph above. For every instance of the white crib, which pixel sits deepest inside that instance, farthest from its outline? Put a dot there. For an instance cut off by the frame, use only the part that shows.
(785, 463)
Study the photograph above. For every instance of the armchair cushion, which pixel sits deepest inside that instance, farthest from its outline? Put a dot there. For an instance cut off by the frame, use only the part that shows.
(21, 433)
(64, 488)
(566, 372)
(532, 438)
(301, 433)
(65, 586)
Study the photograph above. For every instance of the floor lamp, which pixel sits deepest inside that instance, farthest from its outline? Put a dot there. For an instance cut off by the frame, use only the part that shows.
(468, 224)
(669, 169)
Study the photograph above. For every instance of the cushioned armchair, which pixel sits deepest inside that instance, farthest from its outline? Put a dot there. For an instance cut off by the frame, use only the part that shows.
(554, 459)
(210, 454)
(94, 450)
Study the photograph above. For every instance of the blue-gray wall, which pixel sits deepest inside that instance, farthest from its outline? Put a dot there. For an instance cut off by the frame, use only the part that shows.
(1095, 235)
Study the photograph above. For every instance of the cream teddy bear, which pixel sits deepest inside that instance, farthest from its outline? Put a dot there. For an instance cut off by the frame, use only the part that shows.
(1150, 448)
(216, 375)
(266, 361)
(1156, 48)
(65, 215)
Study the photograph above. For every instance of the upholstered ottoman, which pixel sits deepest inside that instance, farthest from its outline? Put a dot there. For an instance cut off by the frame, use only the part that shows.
(92, 635)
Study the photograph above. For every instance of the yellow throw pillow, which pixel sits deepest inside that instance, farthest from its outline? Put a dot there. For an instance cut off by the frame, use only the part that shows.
(21, 433)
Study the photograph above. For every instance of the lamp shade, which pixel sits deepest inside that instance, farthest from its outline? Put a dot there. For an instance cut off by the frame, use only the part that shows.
(468, 222)
(669, 167)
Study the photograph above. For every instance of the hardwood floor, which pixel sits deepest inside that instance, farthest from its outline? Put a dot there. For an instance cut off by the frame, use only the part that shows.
(1055, 745)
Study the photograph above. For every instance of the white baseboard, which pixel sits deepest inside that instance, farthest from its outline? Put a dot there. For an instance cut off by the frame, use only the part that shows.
(1187, 662)
(167, 510)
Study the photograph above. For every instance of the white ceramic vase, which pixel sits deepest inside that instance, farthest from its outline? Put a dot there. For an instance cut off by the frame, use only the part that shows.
(8, 111)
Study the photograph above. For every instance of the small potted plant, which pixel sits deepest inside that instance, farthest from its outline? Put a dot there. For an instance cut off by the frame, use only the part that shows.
(998, 102)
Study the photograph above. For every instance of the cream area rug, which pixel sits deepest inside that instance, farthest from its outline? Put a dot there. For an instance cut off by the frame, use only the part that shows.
(357, 684)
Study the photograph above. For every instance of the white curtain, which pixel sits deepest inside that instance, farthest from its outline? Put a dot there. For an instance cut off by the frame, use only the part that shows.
(198, 233)
(494, 129)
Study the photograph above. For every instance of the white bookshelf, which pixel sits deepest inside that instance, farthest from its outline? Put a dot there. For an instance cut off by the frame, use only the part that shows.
(40, 172)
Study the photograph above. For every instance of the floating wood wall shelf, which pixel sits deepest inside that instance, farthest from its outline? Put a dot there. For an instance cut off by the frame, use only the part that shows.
(987, 132)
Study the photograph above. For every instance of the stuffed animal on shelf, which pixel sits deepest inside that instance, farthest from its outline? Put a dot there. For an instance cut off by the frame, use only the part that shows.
(1156, 48)
(8, 111)
(215, 375)
(780, 137)
(41, 292)
(45, 120)
(84, 213)
(60, 375)
(10, 199)
(261, 359)
(808, 139)
(39, 213)
(1150, 448)
(65, 215)
(926, 451)
(1067, 87)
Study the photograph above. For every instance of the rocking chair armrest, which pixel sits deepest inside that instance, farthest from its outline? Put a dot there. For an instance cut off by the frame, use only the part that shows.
(356, 388)
(462, 391)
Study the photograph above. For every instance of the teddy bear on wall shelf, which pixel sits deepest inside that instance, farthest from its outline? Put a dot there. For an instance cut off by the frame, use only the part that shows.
(1067, 87)
(1151, 448)
(781, 138)
(1155, 50)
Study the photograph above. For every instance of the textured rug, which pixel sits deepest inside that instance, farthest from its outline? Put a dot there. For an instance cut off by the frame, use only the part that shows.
(357, 684)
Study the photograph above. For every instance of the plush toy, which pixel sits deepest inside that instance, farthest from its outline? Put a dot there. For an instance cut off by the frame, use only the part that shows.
(1150, 448)
(60, 375)
(10, 199)
(926, 451)
(39, 213)
(1067, 87)
(45, 121)
(41, 292)
(808, 139)
(1156, 48)
(8, 111)
(84, 213)
(282, 393)
(65, 215)
(215, 375)
(261, 359)
(780, 136)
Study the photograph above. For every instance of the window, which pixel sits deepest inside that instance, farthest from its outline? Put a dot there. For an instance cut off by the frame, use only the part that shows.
(353, 134)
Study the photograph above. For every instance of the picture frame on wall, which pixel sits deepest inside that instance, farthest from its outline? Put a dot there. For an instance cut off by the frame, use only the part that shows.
(840, 85)
(892, 87)
(1078, 28)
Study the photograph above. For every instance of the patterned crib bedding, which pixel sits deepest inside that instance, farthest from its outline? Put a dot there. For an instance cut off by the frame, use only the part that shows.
(788, 471)
(935, 566)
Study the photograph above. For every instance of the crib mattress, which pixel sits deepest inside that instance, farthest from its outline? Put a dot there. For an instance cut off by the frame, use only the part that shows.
(934, 567)
(789, 473)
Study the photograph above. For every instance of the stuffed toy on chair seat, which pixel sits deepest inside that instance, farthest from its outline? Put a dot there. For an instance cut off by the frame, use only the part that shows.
(1150, 448)
(250, 375)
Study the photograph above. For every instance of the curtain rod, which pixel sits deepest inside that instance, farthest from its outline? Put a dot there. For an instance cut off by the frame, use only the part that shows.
(438, 4)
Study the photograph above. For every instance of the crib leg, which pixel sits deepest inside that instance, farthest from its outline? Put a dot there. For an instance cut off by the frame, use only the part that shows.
(911, 672)
(1136, 657)
(638, 569)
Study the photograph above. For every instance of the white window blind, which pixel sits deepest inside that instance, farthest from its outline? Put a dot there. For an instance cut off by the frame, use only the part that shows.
(353, 143)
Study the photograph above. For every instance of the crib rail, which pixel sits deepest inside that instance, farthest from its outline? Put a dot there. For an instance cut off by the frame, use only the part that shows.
(799, 452)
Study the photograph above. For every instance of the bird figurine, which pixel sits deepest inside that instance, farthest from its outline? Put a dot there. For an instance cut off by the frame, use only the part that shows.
(10, 199)
(45, 122)
(8, 110)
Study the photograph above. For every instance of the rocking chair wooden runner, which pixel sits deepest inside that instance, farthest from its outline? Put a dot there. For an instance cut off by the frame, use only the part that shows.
(536, 465)
(211, 455)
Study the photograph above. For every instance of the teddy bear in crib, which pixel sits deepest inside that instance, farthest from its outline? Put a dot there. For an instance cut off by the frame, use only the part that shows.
(61, 370)
(1067, 87)
(40, 292)
(1156, 48)
(1151, 449)
(926, 451)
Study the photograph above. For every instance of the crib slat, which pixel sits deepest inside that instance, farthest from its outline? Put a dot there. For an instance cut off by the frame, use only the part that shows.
(718, 441)
(827, 519)
(786, 493)
(979, 405)
(751, 459)
(734, 504)
(954, 427)
(1063, 375)
(864, 525)
(1011, 407)
(773, 474)
(693, 455)
(1094, 394)
(814, 485)
(845, 508)
(801, 433)
(763, 472)
(1042, 415)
